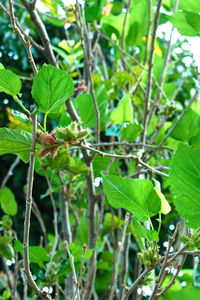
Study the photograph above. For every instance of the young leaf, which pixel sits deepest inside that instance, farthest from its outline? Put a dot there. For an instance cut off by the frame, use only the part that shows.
(136, 195)
(131, 132)
(51, 88)
(9, 82)
(165, 207)
(8, 202)
(15, 142)
(123, 112)
(185, 182)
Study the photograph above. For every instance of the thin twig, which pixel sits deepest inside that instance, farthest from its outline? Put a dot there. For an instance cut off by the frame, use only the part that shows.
(116, 265)
(27, 220)
(10, 172)
(150, 71)
(158, 280)
(27, 45)
(125, 156)
(148, 30)
(41, 31)
(164, 70)
(71, 258)
(88, 57)
(55, 214)
(178, 268)
(38, 215)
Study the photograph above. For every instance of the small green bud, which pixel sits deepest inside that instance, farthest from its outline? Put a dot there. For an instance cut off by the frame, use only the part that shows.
(82, 134)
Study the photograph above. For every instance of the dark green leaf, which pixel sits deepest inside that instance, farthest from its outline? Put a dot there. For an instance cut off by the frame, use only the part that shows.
(15, 142)
(188, 127)
(136, 195)
(6, 250)
(9, 82)
(150, 235)
(92, 13)
(131, 132)
(51, 88)
(8, 202)
(185, 182)
(85, 106)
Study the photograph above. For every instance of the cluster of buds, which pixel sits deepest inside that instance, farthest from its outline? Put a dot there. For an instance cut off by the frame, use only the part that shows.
(192, 240)
(148, 257)
(50, 143)
(51, 274)
(71, 134)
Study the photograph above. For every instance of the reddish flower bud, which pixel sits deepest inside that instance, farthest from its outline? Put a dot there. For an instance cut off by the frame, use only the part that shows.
(49, 140)
(54, 151)
(45, 152)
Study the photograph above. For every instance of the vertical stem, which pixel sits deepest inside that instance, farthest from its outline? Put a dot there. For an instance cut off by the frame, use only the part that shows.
(150, 71)
(45, 123)
(28, 210)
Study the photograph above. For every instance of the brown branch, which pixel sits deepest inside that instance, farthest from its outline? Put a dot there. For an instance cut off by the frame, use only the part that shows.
(27, 44)
(10, 172)
(150, 70)
(27, 220)
(164, 70)
(125, 156)
(178, 268)
(38, 215)
(88, 59)
(159, 279)
(41, 31)
(148, 30)
(116, 265)
(71, 258)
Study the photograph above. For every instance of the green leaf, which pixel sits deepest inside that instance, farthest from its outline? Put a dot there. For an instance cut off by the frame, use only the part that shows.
(6, 250)
(123, 112)
(100, 164)
(84, 105)
(8, 202)
(136, 195)
(92, 13)
(190, 5)
(6, 294)
(187, 23)
(150, 235)
(195, 141)
(131, 132)
(52, 5)
(51, 88)
(37, 255)
(9, 82)
(15, 142)
(5, 240)
(110, 221)
(185, 182)
(77, 252)
(188, 127)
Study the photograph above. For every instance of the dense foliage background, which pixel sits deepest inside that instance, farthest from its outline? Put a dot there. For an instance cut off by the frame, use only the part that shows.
(115, 87)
